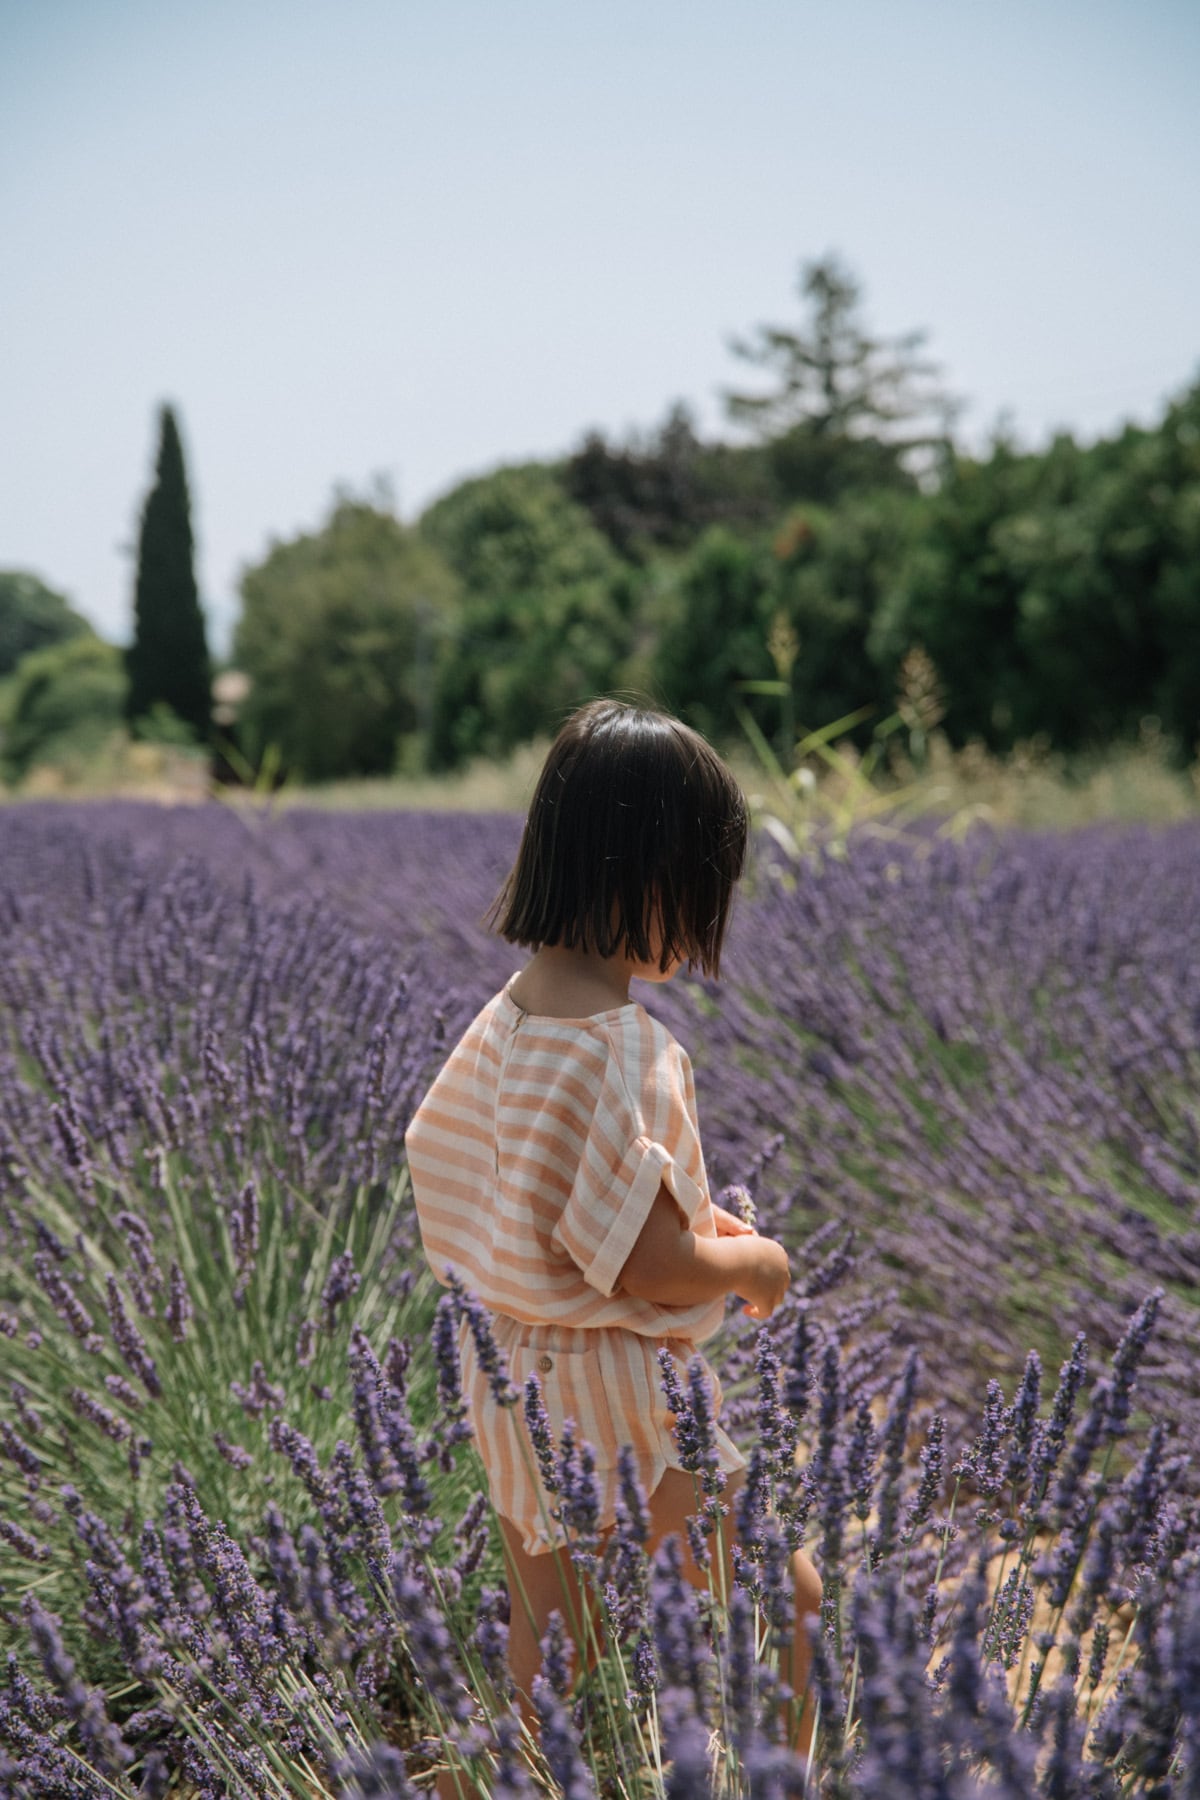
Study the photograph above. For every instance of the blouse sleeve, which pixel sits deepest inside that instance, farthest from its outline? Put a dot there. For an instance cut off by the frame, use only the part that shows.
(643, 1136)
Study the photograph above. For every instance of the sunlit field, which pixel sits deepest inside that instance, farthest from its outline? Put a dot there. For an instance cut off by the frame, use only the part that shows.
(244, 1548)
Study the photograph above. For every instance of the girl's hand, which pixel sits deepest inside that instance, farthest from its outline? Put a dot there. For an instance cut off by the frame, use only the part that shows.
(729, 1225)
(765, 1279)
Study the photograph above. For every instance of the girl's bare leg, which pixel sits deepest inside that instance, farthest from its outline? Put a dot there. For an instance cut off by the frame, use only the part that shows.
(671, 1504)
(540, 1585)
(537, 1586)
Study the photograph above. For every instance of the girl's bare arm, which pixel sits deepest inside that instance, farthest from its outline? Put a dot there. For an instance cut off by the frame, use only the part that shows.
(672, 1266)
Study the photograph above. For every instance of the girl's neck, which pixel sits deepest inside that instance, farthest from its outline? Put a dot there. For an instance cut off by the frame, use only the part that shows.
(572, 984)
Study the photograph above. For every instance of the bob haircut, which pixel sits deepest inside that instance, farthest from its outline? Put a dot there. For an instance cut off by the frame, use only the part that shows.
(636, 825)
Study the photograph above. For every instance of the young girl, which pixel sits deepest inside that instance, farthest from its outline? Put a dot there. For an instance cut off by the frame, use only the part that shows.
(556, 1161)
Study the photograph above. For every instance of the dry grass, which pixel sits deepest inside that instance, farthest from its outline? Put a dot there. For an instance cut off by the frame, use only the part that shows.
(1033, 786)
(163, 773)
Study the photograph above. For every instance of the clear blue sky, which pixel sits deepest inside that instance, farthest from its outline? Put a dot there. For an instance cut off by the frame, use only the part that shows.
(419, 238)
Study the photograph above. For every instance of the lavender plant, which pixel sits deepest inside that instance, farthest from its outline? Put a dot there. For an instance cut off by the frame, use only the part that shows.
(243, 1542)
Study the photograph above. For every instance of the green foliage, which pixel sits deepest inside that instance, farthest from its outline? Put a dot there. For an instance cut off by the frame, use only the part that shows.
(67, 699)
(338, 634)
(277, 1293)
(1061, 593)
(714, 633)
(664, 492)
(547, 619)
(162, 725)
(32, 617)
(1058, 594)
(835, 384)
(960, 599)
(809, 463)
(168, 659)
(834, 568)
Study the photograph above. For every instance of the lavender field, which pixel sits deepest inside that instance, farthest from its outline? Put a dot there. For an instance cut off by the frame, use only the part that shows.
(242, 1543)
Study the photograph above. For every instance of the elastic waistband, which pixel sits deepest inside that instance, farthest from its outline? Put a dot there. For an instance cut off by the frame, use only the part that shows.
(514, 1334)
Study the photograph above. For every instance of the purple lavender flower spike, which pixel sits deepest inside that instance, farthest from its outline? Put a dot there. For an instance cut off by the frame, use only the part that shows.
(932, 1458)
(751, 1506)
(694, 1426)
(22, 1543)
(1140, 1503)
(1062, 1775)
(1184, 1663)
(139, 1240)
(233, 1454)
(703, 1421)
(738, 1201)
(156, 1776)
(1085, 1441)
(560, 1744)
(430, 1645)
(372, 1437)
(105, 1420)
(101, 1738)
(28, 1417)
(305, 1342)
(18, 1451)
(578, 1495)
(65, 1301)
(895, 1438)
(121, 1390)
(318, 1585)
(633, 1517)
(672, 1387)
(487, 1352)
(491, 1639)
(777, 1426)
(396, 1363)
(260, 1395)
(1023, 1423)
(685, 1742)
(179, 1305)
(471, 1535)
(1047, 1446)
(74, 1144)
(679, 1639)
(342, 1281)
(983, 1463)
(512, 1779)
(902, 1754)
(740, 1665)
(798, 1382)
(860, 1461)
(1127, 1359)
(556, 1655)
(244, 1225)
(537, 1421)
(646, 1675)
(303, 1458)
(377, 1773)
(698, 1528)
(130, 1342)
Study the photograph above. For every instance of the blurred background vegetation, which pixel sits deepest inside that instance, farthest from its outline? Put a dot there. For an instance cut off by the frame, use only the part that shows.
(1003, 630)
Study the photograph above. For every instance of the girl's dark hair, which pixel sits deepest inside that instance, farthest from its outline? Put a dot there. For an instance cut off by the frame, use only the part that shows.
(635, 821)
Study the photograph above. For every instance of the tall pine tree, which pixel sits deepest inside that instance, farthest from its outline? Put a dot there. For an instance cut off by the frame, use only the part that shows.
(168, 659)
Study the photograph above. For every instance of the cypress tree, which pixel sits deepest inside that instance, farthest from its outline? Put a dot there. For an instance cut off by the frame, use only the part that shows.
(168, 659)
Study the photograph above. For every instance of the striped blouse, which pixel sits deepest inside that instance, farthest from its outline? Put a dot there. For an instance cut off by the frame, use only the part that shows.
(535, 1158)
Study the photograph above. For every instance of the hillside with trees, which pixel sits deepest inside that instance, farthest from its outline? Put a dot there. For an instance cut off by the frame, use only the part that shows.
(836, 531)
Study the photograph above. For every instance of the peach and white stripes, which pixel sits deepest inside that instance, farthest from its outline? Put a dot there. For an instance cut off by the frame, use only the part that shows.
(535, 1158)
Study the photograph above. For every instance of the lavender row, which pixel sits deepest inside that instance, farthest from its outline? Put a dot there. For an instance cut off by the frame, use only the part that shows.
(207, 1062)
(983, 1056)
(345, 1647)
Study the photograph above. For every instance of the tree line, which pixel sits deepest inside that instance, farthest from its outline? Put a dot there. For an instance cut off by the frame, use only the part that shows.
(1055, 592)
